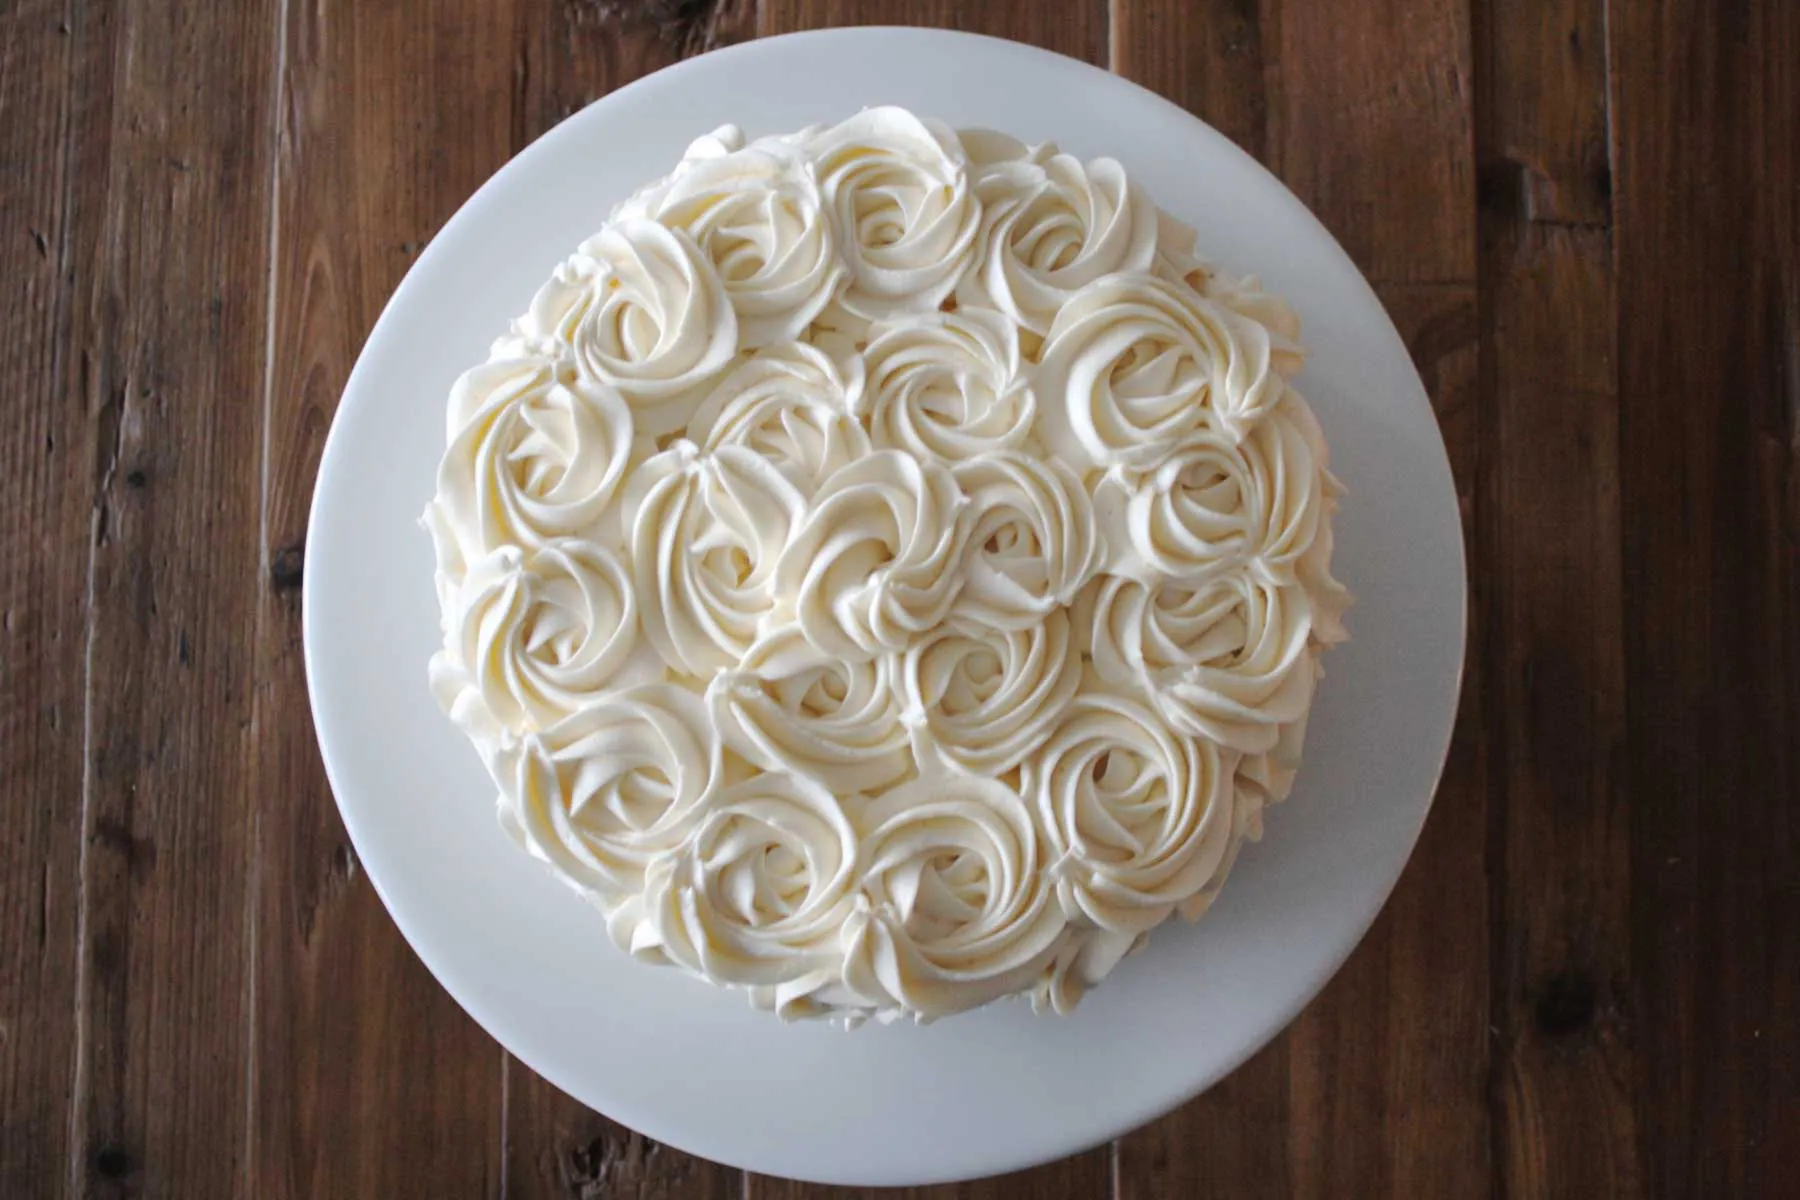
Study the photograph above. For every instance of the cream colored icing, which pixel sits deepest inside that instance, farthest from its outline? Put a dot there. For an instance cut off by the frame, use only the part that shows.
(886, 569)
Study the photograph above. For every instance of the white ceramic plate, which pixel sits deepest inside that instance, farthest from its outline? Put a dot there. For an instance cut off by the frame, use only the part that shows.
(989, 1091)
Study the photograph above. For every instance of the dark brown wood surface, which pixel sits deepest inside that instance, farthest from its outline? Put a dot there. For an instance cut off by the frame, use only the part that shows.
(1584, 216)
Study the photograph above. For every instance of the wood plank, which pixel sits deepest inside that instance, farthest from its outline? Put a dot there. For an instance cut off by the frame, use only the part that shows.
(1550, 506)
(1379, 1088)
(571, 55)
(557, 1147)
(395, 121)
(46, 487)
(1383, 83)
(1077, 28)
(1706, 106)
(172, 149)
(1205, 56)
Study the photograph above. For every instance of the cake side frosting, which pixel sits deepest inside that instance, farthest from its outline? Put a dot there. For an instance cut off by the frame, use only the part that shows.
(886, 569)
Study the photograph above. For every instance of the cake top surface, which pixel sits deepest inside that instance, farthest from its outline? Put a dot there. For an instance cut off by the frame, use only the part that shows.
(886, 569)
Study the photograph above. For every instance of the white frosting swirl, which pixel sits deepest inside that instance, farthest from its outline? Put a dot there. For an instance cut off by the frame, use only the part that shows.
(1049, 228)
(1138, 818)
(706, 530)
(1134, 363)
(1033, 539)
(956, 910)
(898, 189)
(1178, 262)
(990, 147)
(756, 213)
(1216, 503)
(534, 455)
(878, 559)
(982, 700)
(537, 637)
(642, 204)
(948, 386)
(788, 707)
(607, 790)
(840, 333)
(792, 404)
(642, 310)
(1312, 565)
(759, 895)
(1230, 660)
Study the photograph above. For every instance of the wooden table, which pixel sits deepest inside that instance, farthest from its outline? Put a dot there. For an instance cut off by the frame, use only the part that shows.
(1583, 216)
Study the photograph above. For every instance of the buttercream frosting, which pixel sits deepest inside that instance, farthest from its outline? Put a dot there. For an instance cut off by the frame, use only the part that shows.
(886, 569)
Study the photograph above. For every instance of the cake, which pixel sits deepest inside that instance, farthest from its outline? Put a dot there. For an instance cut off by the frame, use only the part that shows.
(886, 569)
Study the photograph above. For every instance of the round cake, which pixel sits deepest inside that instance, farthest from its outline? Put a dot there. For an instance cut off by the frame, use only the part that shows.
(886, 568)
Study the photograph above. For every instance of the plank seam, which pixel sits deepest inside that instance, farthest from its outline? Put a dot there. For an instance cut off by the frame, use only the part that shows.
(79, 1066)
(1629, 701)
(1487, 649)
(505, 1121)
(252, 938)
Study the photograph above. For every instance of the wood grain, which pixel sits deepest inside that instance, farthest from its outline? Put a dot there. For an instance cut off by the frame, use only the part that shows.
(1386, 82)
(1077, 28)
(1551, 553)
(1588, 981)
(558, 1147)
(46, 481)
(1375, 1051)
(170, 265)
(1206, 56)
(571, 54)
(1706, 101)
(391, 123)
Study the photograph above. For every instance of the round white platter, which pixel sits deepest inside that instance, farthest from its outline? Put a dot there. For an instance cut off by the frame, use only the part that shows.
(990, 1091)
